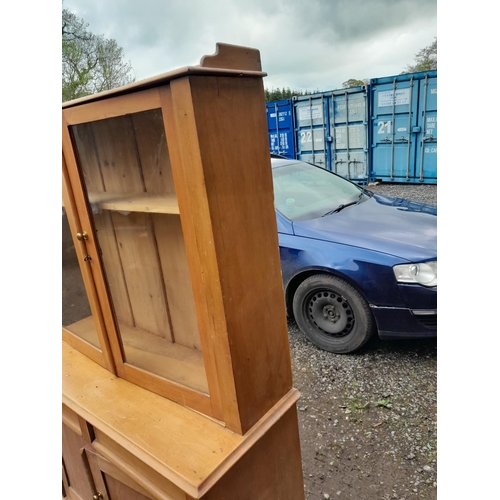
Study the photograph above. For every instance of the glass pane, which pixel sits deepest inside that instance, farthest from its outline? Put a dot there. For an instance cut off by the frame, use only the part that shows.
(125, 165)
(76, 315)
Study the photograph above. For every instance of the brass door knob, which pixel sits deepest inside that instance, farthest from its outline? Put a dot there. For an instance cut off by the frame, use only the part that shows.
(97, 496)
(82, 236)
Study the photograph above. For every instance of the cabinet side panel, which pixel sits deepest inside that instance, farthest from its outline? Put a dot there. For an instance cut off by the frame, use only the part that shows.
(172, 252)
(157, 173)
(237, 169)
(118, 157)
(114, 269)
(87, 156)
(139, 255)
(153, 152)
(271, 469)
(121, 171)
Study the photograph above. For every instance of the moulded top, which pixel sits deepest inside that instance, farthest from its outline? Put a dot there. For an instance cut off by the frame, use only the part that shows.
(228, 60)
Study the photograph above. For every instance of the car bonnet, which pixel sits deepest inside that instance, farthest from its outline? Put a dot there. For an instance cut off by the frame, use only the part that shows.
(390, 225)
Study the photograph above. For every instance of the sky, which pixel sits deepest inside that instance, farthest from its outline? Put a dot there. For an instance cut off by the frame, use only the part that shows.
(313, 45)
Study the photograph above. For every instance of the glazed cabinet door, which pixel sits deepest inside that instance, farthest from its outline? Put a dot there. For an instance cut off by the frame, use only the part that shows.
(82, 322)
(121, 178)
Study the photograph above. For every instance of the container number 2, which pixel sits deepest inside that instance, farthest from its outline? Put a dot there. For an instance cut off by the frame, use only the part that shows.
(305, 137)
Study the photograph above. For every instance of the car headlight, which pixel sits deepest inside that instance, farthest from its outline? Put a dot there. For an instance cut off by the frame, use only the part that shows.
(424, 273)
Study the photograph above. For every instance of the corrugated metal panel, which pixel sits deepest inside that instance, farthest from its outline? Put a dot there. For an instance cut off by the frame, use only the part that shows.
(426, 159)
(403, 130)
(386, 132)
(349, 133)
(280, 128)
(311, 128)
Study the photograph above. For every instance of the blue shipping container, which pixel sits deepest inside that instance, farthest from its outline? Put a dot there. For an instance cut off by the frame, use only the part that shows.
(311, 128)
(331, 131)
(403, 132)
(348, 137)
(386, 131)
(280, 128)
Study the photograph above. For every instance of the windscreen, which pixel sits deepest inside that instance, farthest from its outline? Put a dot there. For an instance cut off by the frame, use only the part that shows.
(303, 191)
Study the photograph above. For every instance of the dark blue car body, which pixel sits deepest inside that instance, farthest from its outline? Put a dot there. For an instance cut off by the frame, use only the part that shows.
(361, 244)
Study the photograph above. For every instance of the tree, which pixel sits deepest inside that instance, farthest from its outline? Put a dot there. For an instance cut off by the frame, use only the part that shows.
(425, 60)
(279, 94)
(90, 63)
(352, 82)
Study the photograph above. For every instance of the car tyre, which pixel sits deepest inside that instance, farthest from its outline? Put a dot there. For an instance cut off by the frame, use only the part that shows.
(332, 313)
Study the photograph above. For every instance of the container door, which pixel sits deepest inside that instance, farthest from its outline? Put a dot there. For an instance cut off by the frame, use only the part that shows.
(349, 134)
(394, 111)
(403, 128)
(311, 121)
(280, 128)
(426, 158)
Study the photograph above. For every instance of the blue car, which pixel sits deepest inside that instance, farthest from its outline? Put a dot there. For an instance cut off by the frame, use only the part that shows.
(354, 263)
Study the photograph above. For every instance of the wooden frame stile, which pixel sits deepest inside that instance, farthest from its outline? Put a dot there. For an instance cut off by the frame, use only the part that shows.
(102, 355)
(77, 424)
(191, 102)
(191, 204)
(93, 111)
(95, 263)
(77, 480)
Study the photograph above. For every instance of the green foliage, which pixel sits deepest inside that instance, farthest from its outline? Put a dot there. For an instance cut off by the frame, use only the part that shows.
(90, 63)
(384, 403)
(352, 82)
(361, 406)
(284, 93)
(425, 60)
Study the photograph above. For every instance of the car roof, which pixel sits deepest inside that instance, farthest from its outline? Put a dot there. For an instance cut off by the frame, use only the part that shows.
(280, 161)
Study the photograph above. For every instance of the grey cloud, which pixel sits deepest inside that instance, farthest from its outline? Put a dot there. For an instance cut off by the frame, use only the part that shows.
(301, 42)
(360, 19)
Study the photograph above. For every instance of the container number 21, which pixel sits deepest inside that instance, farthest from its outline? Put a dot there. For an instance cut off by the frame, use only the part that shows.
(384, 127)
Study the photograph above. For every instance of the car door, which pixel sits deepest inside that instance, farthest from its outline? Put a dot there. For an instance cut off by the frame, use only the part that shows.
(288, 247)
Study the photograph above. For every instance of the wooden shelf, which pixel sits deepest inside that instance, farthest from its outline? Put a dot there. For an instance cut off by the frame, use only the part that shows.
(160, 356)
(136, 202)
(153, 353)
(85, 329)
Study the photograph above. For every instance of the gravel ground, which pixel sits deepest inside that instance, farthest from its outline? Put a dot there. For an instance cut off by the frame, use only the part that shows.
(368, 420)
(423, 193)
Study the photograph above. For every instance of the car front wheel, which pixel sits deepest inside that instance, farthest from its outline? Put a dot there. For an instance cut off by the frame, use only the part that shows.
(333, 314)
